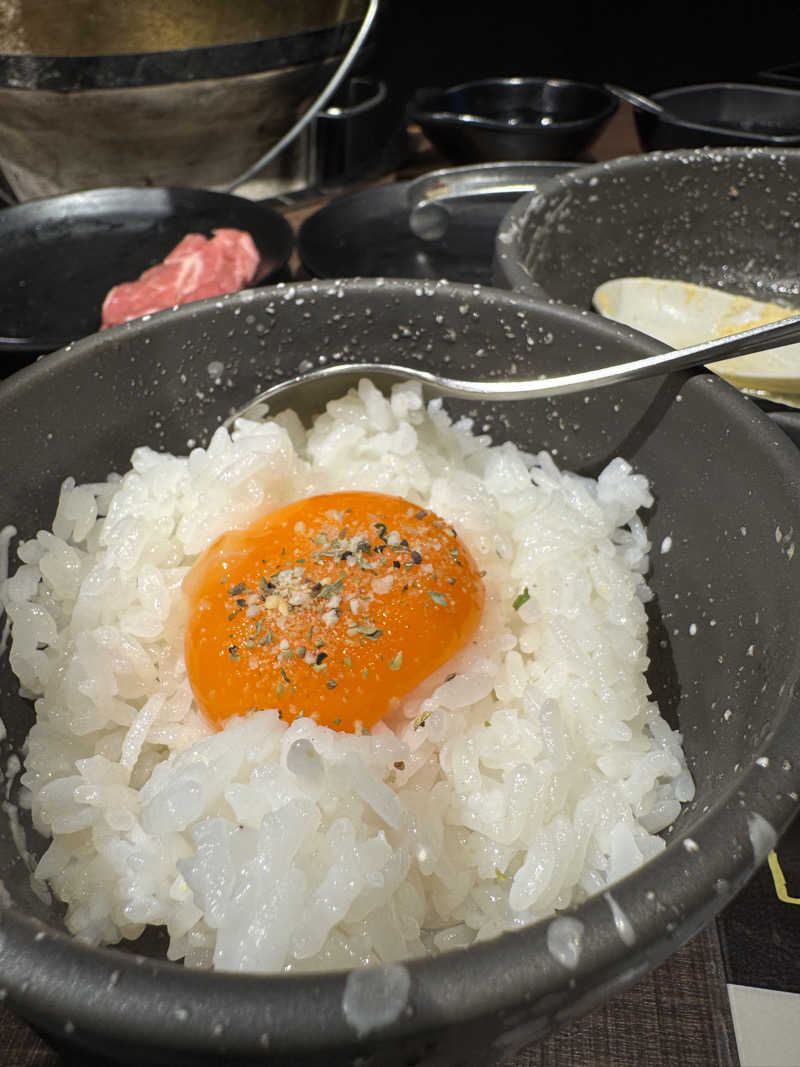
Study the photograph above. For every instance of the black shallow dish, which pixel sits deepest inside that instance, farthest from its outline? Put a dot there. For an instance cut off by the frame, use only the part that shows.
(734, 469)
(513, 118)
(367, 234)
(60, 255)
(721, 113)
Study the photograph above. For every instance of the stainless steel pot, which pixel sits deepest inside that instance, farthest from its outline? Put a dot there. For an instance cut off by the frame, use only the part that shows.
(95, 93)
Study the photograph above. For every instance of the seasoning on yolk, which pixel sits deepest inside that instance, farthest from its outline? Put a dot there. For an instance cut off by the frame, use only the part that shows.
(333, 607)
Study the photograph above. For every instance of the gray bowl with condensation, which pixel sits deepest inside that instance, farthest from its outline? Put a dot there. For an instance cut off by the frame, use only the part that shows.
(723, 642)
(726, 217)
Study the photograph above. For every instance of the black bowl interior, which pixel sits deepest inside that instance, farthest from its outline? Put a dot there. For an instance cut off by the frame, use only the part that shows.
(522, 102)
(59, 256)
(702, 216)
(723, 639)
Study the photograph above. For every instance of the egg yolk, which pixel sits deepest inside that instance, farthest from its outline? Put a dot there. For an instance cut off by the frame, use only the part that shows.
(333, 607)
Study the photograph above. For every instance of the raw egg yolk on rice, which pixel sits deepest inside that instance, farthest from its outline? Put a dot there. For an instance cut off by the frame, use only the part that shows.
(334, 607)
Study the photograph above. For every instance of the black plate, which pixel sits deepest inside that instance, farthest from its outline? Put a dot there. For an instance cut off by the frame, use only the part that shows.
(60, 255)
(367, 235)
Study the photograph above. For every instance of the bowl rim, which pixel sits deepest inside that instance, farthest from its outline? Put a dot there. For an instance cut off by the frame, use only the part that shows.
(441, 116)
(38, 963)
(509, 270)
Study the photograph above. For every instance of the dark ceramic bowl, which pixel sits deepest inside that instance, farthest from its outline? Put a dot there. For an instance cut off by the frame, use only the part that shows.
(725, 217)
(721, 113)
(513, 118)
(147, 382)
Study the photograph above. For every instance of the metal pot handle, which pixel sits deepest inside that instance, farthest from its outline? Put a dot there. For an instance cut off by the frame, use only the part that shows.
(318, 104)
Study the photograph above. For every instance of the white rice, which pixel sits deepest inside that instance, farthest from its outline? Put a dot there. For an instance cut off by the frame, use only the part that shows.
(539, 774)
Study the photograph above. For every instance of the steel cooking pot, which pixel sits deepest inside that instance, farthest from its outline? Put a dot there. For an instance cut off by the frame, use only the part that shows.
(96, 93)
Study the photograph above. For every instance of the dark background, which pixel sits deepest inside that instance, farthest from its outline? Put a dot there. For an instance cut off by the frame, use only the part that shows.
(642, 45)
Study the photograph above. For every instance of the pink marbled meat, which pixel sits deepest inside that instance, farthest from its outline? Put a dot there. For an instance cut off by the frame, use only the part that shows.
(196, 268)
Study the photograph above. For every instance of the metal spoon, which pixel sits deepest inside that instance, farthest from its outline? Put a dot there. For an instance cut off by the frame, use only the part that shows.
(643, 103)
(319, 386)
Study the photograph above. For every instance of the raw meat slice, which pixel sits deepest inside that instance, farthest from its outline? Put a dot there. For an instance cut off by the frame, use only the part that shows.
(196, 268)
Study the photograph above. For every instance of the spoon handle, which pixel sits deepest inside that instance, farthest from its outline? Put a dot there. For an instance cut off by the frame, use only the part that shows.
(772, 335)
(643, 103)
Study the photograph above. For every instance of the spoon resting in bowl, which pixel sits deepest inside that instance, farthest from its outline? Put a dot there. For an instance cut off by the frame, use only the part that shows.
(319, 386)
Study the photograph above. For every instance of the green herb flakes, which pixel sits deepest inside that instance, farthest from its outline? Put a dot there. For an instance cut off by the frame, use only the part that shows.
(331, 590)
(364, 629)
(523, 598)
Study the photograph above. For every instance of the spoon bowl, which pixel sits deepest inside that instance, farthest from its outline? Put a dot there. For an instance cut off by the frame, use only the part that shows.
(318, 386)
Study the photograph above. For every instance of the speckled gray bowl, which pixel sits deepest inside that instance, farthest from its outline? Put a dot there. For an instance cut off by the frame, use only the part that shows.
(727, 494)
(727, 216)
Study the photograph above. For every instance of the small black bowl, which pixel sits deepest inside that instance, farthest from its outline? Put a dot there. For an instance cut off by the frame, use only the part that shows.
(721, 113)
(513, 118)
